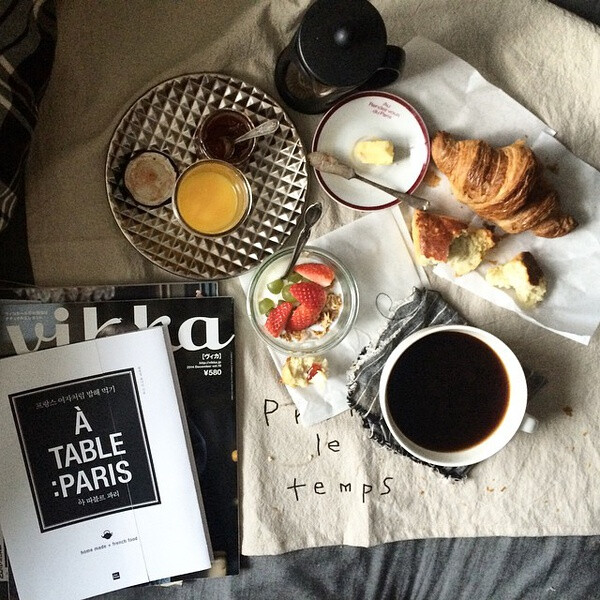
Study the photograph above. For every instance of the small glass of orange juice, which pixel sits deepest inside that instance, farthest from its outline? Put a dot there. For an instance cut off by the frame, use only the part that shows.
(211, 198)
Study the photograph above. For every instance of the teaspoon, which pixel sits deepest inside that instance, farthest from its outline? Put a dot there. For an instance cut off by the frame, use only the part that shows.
(311, 216)
(263, 129)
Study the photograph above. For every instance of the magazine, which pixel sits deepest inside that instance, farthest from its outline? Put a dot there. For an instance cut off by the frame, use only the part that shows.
(4, 572)
(98, 490)
(202, 336)
(95, 293)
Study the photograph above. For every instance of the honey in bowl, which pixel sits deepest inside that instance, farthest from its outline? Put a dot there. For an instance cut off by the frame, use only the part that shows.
(211, 198)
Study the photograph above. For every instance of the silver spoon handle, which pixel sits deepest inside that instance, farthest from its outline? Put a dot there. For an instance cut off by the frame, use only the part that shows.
(311, 216)
(263, 129)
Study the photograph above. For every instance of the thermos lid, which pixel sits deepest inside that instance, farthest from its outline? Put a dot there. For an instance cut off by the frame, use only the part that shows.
(342, 42)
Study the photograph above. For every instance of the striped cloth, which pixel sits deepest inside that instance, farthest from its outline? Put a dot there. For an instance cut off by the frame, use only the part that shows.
(27, 43)
(424, 308)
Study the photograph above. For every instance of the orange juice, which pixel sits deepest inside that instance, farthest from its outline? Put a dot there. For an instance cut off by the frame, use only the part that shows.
(211, 197)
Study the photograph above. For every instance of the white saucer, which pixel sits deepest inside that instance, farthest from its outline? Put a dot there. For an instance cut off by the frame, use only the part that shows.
(371, 115)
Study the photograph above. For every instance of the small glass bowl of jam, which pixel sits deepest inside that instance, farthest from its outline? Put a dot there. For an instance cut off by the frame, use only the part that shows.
(215, 136)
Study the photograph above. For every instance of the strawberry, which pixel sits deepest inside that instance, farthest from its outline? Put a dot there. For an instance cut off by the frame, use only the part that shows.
(317, 272)
(278, 318)
(309, 293)
(314, 369)
(302, 317)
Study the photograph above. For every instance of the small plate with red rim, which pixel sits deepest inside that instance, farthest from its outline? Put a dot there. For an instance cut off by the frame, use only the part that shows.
(367, 116)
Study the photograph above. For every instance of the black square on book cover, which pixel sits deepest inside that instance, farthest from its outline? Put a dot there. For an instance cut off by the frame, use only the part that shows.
(85, 448)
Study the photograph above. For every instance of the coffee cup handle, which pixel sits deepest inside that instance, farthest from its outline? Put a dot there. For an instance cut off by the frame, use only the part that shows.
(528, 424)
(390, 70)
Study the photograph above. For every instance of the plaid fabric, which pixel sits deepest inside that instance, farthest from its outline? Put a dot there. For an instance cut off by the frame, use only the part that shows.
(27, 42)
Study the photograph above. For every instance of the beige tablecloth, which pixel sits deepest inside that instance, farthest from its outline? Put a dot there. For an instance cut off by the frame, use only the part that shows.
(110, 52)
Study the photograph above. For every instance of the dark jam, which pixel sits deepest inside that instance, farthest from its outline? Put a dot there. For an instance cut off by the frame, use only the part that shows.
(219, 130)
(448, 391)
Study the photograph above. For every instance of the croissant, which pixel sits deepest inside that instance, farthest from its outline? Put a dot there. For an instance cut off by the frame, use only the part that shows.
(502, 185)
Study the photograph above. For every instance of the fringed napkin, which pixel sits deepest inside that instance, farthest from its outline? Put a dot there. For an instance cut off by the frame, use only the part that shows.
(424, 308)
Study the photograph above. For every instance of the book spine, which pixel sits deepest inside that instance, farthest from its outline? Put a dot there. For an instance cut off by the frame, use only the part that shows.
(3, 570)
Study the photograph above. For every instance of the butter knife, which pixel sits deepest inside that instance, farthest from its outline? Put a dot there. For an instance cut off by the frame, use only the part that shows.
(327, 163)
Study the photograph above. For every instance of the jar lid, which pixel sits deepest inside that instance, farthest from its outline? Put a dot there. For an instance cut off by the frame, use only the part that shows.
(342, 42)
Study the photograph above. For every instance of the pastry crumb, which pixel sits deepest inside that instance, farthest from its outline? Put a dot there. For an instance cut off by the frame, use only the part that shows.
(524, 276)
(431, 179)
(300, 371)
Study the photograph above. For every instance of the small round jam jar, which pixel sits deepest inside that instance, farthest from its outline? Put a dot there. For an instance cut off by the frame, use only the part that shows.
(216, 133)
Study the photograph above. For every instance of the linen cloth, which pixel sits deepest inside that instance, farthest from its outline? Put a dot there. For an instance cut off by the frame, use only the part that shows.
(107, 56)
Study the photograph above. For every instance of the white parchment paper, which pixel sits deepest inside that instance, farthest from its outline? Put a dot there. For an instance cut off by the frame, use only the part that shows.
(454, 97)
(365, 247)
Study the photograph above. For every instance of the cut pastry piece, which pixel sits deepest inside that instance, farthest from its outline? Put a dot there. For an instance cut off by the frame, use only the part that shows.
(300, 371)
(442, 239)
(524, 275)
(502, 185)
(374, 152)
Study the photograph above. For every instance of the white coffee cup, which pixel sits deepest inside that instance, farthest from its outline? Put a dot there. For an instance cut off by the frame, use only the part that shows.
(429, 368)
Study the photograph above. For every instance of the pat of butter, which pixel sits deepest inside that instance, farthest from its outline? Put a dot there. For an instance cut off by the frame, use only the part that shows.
(375, 152)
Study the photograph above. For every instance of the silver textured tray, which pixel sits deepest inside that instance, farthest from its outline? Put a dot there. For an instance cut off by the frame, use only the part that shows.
(165, 118)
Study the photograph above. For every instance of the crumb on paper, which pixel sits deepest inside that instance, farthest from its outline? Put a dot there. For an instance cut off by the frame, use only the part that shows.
(568, 411)
(431, 179)
(553, 168)
(301, 371)
(523, 275)
(503, 488)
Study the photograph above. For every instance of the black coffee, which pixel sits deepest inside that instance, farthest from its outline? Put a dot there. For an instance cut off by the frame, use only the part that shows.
(448, 391)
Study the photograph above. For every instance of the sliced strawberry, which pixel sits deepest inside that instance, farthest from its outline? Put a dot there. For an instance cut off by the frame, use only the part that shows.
(317, 272)
(302, 317)
(309, 293)
(277, 318)
(314, 369)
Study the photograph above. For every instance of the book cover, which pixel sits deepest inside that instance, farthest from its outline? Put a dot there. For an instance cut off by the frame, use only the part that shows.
(201, 331)
(97, 486)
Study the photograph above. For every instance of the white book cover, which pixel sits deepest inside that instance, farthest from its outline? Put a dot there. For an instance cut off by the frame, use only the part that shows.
(97, 491)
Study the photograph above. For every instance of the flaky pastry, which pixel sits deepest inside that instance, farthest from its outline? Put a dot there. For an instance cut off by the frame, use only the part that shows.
(503, 185)
(443, 239)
